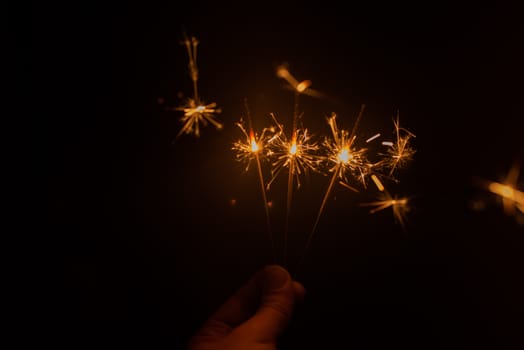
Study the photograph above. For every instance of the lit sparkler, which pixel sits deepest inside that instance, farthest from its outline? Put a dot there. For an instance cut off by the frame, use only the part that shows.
(253, 148)
(344, 159)
(196, 112)
(400, 152)
(297, 153)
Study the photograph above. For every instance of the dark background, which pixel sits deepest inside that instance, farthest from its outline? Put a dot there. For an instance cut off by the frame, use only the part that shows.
(149, 240)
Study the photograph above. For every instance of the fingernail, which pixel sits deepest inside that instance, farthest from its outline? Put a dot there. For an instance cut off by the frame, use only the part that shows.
(277, 277)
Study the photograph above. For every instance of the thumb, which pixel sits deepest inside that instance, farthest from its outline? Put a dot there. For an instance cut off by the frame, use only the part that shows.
(278, 299)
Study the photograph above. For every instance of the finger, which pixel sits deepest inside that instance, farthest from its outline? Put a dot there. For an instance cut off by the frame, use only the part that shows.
(237, 309)
(299, 291)
(278, 299)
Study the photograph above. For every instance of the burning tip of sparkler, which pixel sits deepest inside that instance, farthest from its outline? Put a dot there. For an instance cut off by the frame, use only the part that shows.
(344, 156)
(293, 148)
(254, 146)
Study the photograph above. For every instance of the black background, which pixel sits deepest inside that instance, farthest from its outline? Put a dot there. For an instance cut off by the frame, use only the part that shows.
(150, 243)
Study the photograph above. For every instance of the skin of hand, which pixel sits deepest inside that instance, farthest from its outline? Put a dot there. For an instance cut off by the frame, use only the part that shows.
(253, 317)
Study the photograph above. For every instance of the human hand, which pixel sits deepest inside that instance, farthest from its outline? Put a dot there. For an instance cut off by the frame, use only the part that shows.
(254, 316)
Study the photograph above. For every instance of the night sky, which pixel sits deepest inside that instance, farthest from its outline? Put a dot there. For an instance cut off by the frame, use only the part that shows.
(151, 244)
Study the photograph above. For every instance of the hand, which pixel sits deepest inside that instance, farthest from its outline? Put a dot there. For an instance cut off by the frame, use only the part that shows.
(254, 316)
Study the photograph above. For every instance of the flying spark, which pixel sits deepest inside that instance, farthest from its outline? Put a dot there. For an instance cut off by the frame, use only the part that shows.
(377, 182)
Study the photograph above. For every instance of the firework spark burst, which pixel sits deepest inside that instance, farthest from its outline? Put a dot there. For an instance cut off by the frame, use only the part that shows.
(196, 114)
(298, 154)
(253, 145)
(343, 158)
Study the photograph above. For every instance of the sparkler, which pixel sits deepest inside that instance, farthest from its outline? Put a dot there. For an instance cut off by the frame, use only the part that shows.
(252, 148)
(399, 152)
(297, 154)
(344, 159)
(196, 111)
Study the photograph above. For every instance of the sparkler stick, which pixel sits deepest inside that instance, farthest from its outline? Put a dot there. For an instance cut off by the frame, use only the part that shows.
(288, 204)
(344, 158)
(248, 150)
